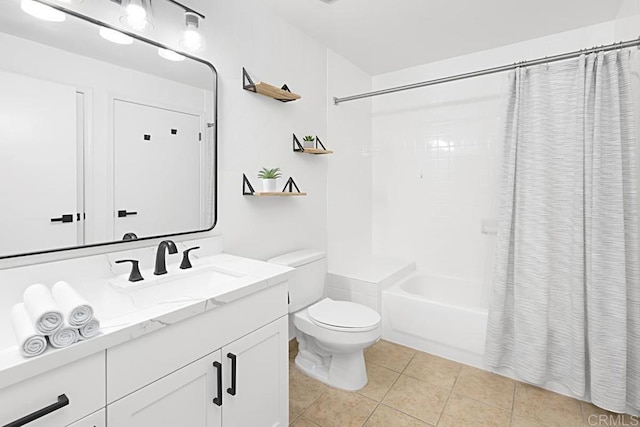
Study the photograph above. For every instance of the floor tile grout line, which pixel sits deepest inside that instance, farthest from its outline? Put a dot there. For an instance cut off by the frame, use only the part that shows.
(449, 396)
(382, 398)
(513, 403)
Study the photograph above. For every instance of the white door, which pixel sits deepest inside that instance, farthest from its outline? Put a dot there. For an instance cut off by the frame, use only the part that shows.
(261, 394)
(183, 398)
(156, 171)
(37, 164)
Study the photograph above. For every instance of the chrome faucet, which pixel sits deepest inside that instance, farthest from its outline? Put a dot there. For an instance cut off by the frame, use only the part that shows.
(161, 264)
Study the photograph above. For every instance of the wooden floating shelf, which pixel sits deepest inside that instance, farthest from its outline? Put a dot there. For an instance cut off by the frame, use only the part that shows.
(281, 94)
(278, 194)
(287, 191)
(299, 148)
(315, 151)
(274, 92)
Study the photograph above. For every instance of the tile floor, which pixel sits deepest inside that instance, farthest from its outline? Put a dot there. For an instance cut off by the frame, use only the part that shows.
(411, 388)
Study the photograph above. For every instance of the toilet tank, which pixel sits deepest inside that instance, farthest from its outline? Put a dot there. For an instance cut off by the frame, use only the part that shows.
(307, 286)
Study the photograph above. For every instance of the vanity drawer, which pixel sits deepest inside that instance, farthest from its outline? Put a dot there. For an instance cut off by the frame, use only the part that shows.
(81, 382)
(137, 363)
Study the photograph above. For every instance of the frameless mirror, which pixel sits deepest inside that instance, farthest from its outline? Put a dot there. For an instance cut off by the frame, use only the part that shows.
(101, 138)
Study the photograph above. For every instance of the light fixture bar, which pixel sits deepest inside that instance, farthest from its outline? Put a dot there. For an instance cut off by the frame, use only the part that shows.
(186, 8)
(180, 5)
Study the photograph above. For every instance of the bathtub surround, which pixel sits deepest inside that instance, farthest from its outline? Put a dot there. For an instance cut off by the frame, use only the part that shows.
(565, 306)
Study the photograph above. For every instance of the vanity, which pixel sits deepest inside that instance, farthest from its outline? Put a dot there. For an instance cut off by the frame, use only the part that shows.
(201, 348)
(116, 151)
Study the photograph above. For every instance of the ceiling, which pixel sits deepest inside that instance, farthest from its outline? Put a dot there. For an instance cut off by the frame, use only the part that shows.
(381, 36)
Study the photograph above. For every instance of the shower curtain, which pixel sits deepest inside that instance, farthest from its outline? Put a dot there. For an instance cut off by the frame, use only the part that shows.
(566, 299)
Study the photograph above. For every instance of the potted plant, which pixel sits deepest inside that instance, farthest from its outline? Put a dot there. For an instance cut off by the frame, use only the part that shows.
(268, 177)
(308, 141)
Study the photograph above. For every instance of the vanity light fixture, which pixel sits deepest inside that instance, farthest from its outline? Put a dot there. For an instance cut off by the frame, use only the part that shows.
(115, 36)
(191, 37)
(170, 55)
(42, 11)
(137, 14)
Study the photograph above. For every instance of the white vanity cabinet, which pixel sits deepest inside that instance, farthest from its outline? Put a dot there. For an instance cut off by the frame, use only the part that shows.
(227, 367)
(183, 398)
(243, 384)
(221, 362)
(67, 394)
(260, 394)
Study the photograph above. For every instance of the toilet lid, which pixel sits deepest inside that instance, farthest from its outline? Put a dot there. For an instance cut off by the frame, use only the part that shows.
(343, 314)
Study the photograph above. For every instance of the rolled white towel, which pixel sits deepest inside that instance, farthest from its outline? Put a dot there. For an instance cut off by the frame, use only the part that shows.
(43, 311)
(64, 337)
(76, 310)
(90, 330)
(30, 342)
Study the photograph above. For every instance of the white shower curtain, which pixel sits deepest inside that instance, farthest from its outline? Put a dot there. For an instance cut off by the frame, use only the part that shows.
(566, 300)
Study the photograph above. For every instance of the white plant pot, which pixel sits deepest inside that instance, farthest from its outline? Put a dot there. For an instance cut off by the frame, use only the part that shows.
(309, 144)
(269, 185)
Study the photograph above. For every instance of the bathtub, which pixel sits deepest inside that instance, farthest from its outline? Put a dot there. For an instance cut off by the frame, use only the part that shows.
(439, 315)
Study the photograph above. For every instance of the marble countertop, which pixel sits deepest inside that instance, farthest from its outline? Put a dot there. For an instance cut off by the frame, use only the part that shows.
(128, 313)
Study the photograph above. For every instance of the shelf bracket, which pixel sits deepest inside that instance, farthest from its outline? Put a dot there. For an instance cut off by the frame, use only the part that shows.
(246, 185)
(321, 144)
(247, 82)
(285, 87)
(290, 184)
(297, 147)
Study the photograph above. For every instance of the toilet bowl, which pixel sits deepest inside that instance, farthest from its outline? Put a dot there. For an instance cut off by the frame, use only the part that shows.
(332, 335)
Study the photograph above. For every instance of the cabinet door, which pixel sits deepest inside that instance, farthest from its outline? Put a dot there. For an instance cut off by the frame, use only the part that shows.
(96, 419)
(183, 398)
(260, 397)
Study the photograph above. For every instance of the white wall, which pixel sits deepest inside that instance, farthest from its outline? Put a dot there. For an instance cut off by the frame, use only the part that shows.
(349, 176)
(256, 131)
(437, 155)
(627, 24)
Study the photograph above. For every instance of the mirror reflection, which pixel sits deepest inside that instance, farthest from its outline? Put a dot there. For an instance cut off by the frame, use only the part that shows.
(103, 137)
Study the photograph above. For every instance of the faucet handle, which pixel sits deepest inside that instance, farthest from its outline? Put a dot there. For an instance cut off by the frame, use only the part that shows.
(135, 275)
(186, 263)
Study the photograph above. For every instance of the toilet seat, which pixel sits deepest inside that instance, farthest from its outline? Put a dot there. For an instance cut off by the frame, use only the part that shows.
(343, 316)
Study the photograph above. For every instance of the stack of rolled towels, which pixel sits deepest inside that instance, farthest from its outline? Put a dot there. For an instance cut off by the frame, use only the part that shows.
(60, 316)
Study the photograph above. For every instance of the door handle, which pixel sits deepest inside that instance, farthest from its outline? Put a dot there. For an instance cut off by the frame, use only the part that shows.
(63, 401)
(232, 390)
(63, 218)
(218, 400)
(123, 213)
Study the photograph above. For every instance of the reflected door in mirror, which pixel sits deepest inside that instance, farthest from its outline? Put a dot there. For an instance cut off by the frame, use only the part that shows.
(38, 173)
(157, 170)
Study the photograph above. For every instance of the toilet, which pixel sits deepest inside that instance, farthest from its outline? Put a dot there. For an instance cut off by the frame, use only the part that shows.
(332, 335)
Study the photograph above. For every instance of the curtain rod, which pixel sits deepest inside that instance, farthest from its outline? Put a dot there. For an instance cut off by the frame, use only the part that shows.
(487, 71)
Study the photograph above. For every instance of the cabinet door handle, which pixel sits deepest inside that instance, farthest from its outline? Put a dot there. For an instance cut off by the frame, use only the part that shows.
(63, 401)
(232, 390)
(218, 400)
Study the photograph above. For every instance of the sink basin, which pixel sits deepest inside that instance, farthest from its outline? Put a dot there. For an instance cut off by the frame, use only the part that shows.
(199, 282)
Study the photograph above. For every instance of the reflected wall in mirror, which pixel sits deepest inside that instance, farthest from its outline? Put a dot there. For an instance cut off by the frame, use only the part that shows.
(98, 139)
